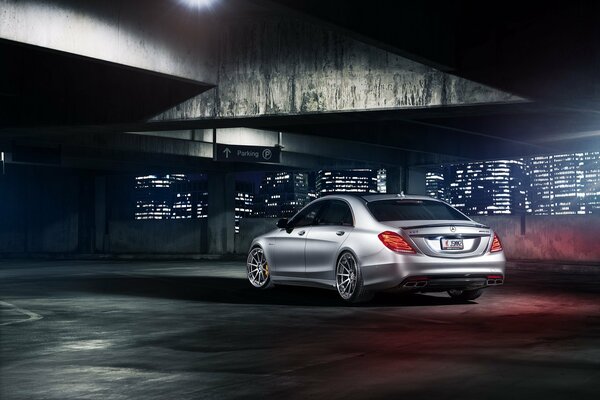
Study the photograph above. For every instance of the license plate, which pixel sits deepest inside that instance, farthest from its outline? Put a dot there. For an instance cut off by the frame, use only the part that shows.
(452, 244)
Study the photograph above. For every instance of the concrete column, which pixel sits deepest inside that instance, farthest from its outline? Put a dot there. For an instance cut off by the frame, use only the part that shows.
(100, 225)
(221, 213)
(416, 181)
(394, 179)
(86, 214)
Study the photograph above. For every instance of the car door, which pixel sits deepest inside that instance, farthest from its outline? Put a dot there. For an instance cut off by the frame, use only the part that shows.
(330, 229)
(287, 250)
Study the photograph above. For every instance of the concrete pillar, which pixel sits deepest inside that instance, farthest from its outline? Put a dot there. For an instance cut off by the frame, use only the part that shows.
(100, 224)
(86, 214)
(221, 213)
(394, 179)
(416, 181)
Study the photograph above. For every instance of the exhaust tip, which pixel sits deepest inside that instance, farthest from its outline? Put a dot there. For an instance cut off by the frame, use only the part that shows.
(416, 281)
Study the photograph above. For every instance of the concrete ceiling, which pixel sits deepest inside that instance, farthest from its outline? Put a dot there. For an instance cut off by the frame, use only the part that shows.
(544, 58)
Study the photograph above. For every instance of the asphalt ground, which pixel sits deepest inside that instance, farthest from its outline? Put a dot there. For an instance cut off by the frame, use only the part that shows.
(195, 330)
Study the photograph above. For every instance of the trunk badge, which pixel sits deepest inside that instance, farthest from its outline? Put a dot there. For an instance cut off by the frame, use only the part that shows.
(452, 229)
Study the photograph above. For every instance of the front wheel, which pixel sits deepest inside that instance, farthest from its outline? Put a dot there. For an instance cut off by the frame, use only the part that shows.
(349, 280)
(465, 295)
(257, 269)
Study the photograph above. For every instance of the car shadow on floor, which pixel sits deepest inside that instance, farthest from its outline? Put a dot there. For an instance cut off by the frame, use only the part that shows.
(230, 291)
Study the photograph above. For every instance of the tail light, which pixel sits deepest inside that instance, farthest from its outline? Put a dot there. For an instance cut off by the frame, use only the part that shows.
(496, 245)
(395, 242)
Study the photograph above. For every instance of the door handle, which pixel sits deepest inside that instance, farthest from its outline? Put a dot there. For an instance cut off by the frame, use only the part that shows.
(340, 233)
(301, 233)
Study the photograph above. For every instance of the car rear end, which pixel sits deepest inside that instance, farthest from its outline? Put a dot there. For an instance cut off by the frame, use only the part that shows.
(426, 245)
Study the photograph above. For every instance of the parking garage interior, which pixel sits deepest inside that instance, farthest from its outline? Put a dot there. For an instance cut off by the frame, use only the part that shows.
(144, 147)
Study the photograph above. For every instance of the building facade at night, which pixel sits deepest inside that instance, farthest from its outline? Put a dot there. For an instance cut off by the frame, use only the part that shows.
(156, 197)
(482, 188)
(179, 196)
(281, 194)
(561, 184)
(358, 181)
(244, 202)
(435, 185)
(565, 184)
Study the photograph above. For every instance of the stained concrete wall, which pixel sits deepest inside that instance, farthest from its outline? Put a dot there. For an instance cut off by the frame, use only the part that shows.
(38, 211)
(157, 237)
(45, 210)
(282, 65)
(545, 238)
(552, 238)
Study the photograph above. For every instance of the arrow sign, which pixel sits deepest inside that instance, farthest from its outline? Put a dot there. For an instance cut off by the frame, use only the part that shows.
(249, 154)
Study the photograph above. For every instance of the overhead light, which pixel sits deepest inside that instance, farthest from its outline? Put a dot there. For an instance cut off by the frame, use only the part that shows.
(198, 4)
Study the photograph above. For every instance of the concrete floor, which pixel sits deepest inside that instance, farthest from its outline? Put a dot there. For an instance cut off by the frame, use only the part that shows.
(190, 330)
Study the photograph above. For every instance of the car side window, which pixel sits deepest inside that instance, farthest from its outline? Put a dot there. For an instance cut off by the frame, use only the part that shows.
(335, 212)
(306, 217)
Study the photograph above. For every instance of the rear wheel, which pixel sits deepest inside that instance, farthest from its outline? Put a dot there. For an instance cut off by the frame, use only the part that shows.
(257, 269)
(349, 280)
(465, 294)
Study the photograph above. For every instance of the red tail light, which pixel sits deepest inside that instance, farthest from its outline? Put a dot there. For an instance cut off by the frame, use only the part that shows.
(395, 242)
(496, 245)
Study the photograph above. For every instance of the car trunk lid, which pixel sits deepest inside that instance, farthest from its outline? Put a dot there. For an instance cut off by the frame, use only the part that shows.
(448, 239)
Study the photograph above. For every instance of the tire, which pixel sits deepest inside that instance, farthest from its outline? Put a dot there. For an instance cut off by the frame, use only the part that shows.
(465, 295)
(349, 280)
(257, 269)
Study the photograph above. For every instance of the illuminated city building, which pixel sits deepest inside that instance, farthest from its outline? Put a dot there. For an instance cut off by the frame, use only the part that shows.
(171, 196)
(435, 184)
(561, 184)
(565, 184)
(591, 181)
(359, 181)
(244, 202)
(154, 197)
(281, 194)
(381, 181)
(482, 188)
(541, 185)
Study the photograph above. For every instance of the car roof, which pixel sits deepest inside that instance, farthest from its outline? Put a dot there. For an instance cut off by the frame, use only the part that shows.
(395, 196)
(376, 197)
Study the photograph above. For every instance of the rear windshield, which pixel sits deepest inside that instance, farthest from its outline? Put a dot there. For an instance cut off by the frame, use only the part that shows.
(397, 210)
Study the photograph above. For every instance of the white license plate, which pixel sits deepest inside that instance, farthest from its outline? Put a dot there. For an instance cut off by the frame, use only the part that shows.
(452, 244)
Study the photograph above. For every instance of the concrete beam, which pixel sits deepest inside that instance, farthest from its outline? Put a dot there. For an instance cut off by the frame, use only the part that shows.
(192, 150)
(151, 36)
(286, 66)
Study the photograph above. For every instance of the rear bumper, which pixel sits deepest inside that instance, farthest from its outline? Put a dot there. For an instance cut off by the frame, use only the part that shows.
(441, 283)
(388, 270)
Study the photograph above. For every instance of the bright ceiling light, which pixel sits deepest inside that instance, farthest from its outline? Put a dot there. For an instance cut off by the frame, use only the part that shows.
(198, 4)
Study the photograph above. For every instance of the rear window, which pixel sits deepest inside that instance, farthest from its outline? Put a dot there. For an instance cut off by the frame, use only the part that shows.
(397, 210)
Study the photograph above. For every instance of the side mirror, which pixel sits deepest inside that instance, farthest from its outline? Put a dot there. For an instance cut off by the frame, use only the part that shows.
(282, 223)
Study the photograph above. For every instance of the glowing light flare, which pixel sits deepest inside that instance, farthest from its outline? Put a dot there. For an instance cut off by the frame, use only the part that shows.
(198, 4)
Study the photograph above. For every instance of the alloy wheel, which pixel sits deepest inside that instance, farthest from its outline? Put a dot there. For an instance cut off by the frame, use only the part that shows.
(346, 275)
(257, 268)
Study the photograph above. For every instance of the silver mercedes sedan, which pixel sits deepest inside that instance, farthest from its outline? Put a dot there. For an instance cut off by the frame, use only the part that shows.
(359, 245)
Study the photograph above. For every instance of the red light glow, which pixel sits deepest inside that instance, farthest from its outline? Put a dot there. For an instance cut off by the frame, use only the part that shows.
(496, 245)
(395, 242)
